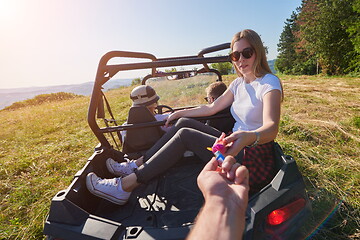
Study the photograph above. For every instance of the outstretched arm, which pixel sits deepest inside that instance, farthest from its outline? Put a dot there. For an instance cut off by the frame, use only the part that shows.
(205, 110)
(226, 198)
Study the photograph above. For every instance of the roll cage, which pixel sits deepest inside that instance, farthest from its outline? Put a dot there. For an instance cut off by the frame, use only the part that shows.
(106, 71)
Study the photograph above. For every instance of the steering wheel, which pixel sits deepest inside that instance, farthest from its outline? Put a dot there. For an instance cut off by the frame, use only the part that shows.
(160, 109)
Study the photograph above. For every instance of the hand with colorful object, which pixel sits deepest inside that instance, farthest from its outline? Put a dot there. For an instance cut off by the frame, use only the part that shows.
(219, 158)
(226, 199)
(220, 145)
(219, 149)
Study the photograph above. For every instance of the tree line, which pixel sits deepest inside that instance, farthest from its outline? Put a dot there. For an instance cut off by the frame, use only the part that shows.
(321, 36)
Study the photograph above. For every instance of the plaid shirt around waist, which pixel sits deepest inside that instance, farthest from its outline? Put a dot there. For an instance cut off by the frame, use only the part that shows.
(260, 161)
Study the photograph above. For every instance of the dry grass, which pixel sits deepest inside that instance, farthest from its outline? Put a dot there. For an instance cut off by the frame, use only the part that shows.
(43, 146)
(320, 128)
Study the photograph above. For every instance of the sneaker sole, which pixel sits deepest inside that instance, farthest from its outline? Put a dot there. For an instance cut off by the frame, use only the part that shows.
(109, 167)
(103, 195)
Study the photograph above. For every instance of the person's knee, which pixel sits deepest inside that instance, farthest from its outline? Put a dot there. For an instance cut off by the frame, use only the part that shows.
(185, 133)
(182, 122)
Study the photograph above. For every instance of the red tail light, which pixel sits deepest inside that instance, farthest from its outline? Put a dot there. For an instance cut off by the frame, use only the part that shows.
(281, 215)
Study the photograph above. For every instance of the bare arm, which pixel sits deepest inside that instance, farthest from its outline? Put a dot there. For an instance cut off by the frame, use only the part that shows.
(205, 110)
(268, 131)
(226, 197)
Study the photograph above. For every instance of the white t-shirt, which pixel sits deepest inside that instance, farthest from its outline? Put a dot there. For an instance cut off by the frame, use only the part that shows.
(247, 108)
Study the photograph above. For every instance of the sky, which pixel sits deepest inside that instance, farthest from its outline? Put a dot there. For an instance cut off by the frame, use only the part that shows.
(59, 42)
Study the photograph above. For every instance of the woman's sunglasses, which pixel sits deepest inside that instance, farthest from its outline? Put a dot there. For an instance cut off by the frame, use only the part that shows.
(246, 53)
(208, 99)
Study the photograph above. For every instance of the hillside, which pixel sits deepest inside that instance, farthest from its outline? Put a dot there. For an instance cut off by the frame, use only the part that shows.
(272, 65)
(44, 145)
(11, 95)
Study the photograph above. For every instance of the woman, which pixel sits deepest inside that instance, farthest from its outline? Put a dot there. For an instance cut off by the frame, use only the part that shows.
(255, 98)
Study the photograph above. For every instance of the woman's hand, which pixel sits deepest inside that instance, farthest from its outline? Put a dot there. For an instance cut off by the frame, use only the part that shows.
(220, 144)
(221, 139)
(173, 116)
(239, 140)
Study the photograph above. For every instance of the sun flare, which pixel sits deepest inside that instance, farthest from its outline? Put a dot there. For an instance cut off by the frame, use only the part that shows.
(7, 9)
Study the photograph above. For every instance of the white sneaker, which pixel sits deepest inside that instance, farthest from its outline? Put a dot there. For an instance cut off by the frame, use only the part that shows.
(109, 189)
(120, 169)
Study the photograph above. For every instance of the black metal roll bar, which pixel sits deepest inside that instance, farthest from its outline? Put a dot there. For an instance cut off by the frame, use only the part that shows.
(179, 73)
(211, 50)
(107, 71)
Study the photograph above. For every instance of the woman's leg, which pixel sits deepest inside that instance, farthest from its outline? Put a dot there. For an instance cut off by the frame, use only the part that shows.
(118, 190)
(185, 139)
(121, 169)
(181, 123)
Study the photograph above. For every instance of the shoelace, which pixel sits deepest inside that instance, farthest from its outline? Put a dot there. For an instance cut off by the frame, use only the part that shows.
(123, 167)
(108, 182)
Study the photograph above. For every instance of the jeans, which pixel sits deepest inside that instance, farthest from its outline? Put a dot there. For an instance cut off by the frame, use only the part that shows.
(186, 134)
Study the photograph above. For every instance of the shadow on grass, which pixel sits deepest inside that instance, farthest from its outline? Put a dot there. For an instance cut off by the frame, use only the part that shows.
(332, 218)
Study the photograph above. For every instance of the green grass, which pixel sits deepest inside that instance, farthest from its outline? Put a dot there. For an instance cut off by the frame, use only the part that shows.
(44, 143)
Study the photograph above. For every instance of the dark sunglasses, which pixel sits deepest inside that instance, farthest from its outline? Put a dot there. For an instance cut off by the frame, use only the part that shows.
(246, 53)
(207, 99)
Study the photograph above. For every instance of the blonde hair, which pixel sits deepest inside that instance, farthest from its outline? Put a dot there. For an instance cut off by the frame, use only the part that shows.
(261, 66)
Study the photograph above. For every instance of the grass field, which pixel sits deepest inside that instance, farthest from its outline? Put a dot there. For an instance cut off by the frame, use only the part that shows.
(45, 142)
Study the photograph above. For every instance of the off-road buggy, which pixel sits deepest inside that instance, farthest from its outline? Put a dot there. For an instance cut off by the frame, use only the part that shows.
(166, 207)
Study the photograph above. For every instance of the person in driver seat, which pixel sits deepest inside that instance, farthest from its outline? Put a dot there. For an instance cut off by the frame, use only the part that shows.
(145, 95)
(142, 96)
